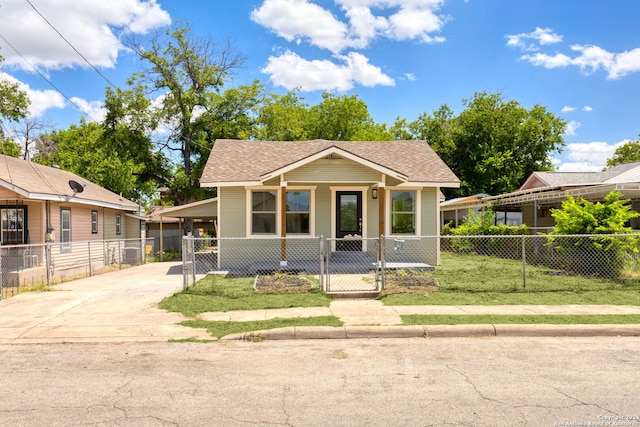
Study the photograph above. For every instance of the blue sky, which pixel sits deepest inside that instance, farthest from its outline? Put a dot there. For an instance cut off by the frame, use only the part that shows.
(578, 58)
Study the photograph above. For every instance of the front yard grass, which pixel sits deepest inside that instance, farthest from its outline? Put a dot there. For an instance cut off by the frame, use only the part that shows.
(461, 280)
(219, 329)
(482, 280)
(215, 293)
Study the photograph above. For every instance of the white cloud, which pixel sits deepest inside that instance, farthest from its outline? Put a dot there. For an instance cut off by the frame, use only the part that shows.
(303, 20)
(299, 19)
(531, 41)
(91, 26)
(587, 108)
(41, 100)
(567, 109)
(94, 109)
(572, 126)
(588, 58)
(290, 71)
(591, 156)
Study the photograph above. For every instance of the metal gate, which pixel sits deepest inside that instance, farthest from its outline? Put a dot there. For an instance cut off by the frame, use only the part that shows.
(352, 266)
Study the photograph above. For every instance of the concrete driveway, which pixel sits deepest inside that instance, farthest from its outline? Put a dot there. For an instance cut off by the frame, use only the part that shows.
(118, 306)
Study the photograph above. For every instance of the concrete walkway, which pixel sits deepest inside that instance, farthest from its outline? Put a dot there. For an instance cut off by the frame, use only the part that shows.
(122, 306)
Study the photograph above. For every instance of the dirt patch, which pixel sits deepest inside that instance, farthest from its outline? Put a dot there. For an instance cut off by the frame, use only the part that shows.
(408, 282)
(283, 283)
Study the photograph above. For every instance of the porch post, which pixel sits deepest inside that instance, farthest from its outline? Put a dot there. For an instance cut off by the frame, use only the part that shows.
(381, 216)
(283, 223)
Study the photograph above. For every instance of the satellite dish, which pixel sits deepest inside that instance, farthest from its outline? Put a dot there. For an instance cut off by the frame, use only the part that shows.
(76, 186)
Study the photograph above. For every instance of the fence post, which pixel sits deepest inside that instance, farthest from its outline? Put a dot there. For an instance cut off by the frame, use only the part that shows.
(89, 252)
(524, 264)
(382, 261)
(47, 256)
(1, 276)
(119, 255)
(321, 260)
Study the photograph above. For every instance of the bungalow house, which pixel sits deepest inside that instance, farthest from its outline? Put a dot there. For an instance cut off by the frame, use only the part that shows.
(40, 204)
(543, 191)
(346, 191)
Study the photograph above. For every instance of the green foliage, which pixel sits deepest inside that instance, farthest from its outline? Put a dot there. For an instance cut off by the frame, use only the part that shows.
(494, 144)
(483, 224)
(14, 102)
(10, 148)
(189, 72)
(627, 153)
(112, 156)
(609, 254)
(580, 216)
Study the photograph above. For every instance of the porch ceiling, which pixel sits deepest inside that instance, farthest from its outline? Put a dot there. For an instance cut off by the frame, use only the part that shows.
(204, 209)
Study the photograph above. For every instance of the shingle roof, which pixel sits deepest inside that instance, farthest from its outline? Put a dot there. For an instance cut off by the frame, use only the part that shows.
(246, 161)
(38, 182)
(626, 172)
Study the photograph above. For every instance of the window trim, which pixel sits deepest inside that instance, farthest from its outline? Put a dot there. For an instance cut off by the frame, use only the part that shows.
(94, 222)
(118, 224)
(389, 213)
(25, 230)
(279, 194)
(310, 211)
(65, 245)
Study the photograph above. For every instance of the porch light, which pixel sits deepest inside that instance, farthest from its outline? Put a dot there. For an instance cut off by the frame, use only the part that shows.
(374, 193)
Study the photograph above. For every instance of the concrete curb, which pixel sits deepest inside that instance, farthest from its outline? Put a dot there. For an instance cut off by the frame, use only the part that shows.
(438, 331)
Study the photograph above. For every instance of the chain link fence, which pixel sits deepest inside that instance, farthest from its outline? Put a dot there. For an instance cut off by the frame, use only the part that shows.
(50, 263)
(473, 263)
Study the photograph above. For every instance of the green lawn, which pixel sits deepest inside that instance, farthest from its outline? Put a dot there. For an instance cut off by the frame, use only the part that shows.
(215, 293)
(482, 280)
(463, 280)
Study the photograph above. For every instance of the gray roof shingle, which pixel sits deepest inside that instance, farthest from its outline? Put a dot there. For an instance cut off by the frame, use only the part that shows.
(246, 161)
(41, 182)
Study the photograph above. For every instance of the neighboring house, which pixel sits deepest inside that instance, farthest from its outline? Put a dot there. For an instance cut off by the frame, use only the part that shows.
(338, 189)
(544, 191)
(41, 204)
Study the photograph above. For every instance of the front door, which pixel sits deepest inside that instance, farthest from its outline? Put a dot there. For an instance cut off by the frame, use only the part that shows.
(349, 220)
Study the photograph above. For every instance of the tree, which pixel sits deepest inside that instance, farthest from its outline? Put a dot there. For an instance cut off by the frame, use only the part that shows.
(283, 118)
(494, 144)
(14, 104)
(27, 132)
(187, 72)
(606, 255)
(627, 153)
(338, 118)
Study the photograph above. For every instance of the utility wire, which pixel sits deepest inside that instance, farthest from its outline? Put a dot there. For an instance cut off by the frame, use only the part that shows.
(70, 44)
(47, 80)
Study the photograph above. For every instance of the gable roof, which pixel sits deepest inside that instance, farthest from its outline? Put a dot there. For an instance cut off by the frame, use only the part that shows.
(38, 182)
(240, 161)
(626, 172)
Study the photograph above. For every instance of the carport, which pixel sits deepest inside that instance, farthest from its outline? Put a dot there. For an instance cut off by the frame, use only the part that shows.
(204, 209)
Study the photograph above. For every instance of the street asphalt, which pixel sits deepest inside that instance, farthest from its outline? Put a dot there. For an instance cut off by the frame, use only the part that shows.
(122, 306)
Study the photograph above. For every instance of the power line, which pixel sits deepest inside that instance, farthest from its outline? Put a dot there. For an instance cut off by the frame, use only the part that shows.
(46, 79)
(70, 44)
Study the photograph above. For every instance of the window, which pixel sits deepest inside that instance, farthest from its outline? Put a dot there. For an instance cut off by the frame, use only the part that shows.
(263, 212)
(94, 222)
(298, 212)
(14, 219)
(65, 229)
(403, 212)
(118, 224)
